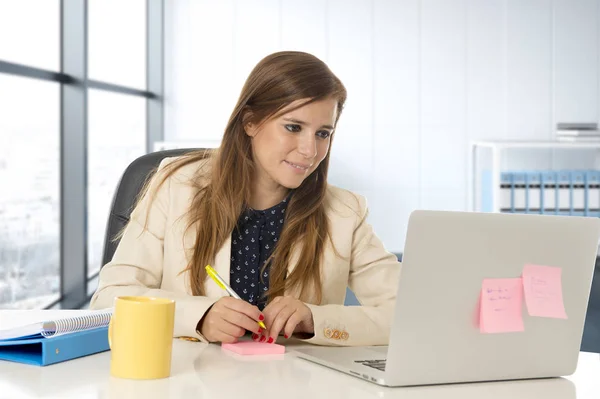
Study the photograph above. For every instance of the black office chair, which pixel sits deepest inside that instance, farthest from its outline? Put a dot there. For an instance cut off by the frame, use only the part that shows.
(129, 187)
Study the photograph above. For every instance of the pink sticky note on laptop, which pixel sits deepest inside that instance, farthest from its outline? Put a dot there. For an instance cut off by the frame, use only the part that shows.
(500, 307)
(543, 291)
(254, 348)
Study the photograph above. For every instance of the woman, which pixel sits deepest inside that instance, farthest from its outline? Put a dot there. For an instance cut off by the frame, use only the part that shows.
(260, 211)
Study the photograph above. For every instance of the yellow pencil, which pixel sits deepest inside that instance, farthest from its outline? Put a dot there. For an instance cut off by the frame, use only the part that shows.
(221, 283)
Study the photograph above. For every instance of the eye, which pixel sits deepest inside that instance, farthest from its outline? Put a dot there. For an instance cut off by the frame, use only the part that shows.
(293, 128)
(324, 134)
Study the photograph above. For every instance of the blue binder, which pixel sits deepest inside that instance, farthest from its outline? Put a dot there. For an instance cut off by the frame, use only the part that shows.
(40, 351)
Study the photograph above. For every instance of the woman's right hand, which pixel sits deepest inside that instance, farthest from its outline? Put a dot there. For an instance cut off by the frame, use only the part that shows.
(228, 319)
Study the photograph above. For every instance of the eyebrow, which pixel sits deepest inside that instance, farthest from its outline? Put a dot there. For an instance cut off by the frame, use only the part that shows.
(299, 122)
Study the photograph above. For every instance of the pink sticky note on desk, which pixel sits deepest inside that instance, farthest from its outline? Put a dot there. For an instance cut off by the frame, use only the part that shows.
(543, 291)
(254, 348)
(501, 303)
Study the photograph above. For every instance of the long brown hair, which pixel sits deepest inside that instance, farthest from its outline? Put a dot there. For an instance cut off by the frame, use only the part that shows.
(277, 80)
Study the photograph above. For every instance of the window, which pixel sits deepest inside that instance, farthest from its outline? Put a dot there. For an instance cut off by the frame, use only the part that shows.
(117, 42)
(69, 127)
(30, 37)
(117, 136)
(29, 205)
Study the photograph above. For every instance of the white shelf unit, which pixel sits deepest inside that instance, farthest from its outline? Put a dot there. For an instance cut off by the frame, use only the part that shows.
(497, 150)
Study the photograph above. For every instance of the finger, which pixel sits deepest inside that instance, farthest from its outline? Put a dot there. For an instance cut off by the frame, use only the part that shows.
(273, 303)
(226, 327)
(280, 321)
(244, 307)
(263, 338)
(241, 320)
(291, 324)
(274, 307)
(226, 338)
(215, 334)
(271, 311)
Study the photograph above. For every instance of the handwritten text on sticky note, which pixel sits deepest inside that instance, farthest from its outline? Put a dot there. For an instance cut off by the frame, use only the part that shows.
(543, 291)
(500, 309)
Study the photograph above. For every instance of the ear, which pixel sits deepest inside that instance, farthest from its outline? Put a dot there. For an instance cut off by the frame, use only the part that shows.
(249, 126)
(250, 129)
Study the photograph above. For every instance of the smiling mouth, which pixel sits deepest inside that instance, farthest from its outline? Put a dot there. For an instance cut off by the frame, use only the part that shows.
(300, 167)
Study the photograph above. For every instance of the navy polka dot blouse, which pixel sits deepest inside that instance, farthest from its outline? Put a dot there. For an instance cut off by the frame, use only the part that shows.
(252, 242)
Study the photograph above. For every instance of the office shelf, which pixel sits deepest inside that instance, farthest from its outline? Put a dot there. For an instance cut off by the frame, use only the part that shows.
(564, 191)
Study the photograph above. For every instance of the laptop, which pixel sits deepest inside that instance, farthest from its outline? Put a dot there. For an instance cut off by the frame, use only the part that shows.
(435, 336)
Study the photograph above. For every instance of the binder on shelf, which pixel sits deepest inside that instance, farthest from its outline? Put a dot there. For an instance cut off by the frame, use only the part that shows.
(519, 194)
(593, 192)
(533, 192)
(42, 338)
(563, 192)
(564, 204)
(506, 190)
(578, 204)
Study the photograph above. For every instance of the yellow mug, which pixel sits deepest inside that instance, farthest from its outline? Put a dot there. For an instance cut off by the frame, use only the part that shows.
(140, 336)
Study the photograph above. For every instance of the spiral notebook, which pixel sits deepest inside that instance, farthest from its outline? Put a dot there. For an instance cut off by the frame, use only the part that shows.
(43, 337)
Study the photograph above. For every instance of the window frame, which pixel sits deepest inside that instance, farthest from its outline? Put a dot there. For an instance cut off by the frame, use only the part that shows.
(74, 82)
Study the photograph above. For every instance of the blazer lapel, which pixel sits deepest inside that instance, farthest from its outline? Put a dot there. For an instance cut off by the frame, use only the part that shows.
(221, 266)
(326, 270)
(294, 257)
(293, 260)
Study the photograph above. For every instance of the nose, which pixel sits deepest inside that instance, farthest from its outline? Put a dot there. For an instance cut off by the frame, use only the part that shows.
(307, 145)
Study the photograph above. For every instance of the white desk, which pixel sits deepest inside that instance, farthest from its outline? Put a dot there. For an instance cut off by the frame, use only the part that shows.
(201, 371)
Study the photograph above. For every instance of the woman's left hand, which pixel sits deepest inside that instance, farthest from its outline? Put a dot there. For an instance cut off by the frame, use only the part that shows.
(287, 315)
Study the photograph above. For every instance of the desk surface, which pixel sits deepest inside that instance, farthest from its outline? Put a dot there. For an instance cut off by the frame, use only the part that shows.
(206, 371)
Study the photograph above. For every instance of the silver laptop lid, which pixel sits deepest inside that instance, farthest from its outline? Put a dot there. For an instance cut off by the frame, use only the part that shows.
(435, 336)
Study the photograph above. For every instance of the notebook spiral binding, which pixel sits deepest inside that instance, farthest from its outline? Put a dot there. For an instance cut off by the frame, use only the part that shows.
(74, 324)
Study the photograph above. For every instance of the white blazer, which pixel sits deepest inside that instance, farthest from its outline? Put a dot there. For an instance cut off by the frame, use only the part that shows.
(148, 261)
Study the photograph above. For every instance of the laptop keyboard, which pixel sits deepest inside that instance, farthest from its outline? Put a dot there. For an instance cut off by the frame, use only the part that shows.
(378, 364)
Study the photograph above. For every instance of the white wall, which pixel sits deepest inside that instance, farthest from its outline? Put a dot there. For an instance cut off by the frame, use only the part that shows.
(424, 78)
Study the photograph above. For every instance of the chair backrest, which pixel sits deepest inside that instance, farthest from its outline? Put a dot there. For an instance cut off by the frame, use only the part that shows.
(129, 187)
